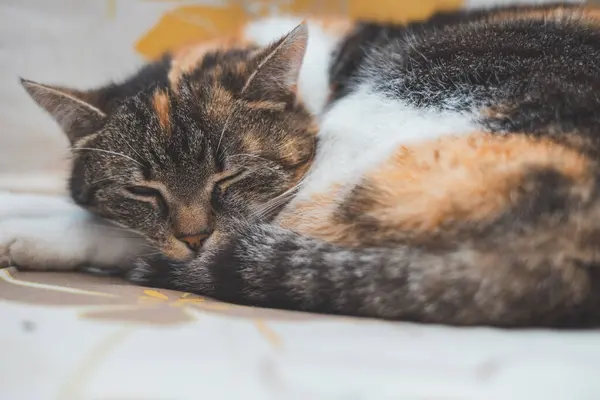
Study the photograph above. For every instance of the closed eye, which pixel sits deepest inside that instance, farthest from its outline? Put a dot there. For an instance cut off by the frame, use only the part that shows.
(224, 181)
(150, 194)
(228, 180)
(144, 191)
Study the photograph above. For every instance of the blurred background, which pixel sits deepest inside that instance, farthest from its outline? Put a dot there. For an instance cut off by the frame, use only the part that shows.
(86, 43)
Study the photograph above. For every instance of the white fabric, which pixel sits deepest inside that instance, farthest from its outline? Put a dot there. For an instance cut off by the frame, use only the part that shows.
(62, 356)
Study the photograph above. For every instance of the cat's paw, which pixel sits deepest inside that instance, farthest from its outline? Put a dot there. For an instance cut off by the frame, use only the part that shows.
(66, 241)
(28, 243)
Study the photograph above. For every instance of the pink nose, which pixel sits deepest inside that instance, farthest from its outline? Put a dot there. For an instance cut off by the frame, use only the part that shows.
(194, 242)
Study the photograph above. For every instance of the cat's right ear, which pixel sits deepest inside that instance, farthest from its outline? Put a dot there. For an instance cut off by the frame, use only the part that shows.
(278, 66)
(72, 109)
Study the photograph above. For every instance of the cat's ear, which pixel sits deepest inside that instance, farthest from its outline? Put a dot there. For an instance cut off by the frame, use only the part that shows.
(278, 66)
(72, 109)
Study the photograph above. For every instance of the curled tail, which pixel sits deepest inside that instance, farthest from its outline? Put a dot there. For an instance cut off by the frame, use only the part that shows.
(277, 268)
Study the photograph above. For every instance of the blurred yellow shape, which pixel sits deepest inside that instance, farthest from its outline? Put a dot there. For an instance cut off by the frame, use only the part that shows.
(189, 24)
(399, 11)
(155, 294)
(187, 302)
(195, 23)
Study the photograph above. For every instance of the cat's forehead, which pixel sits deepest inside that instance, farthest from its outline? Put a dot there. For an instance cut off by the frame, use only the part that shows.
(219, 61)
(200, 88)
(157, 146)
(158, 137)
(200, 107)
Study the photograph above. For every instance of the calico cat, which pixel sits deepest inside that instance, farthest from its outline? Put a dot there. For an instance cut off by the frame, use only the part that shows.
(444, 171)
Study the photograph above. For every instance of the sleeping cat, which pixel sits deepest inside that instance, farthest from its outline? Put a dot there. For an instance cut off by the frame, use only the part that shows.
(444, 171)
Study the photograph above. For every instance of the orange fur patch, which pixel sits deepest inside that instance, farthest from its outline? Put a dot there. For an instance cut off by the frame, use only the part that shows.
(288, 150)
(462, 179)
(160, 101)
(592, 13)
(303, 169)
(559, 13)
(252, 144)
(266, 105)
(428, 187)
(307, 216)
(221, 104)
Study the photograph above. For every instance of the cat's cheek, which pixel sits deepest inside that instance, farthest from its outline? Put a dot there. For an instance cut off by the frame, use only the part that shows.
(220, 239)
(213, 240)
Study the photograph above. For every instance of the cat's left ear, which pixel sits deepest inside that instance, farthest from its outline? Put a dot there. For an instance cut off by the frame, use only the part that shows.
(72, 109)
(278, 66)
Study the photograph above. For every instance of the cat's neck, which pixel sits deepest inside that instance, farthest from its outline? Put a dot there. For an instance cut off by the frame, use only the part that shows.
(324, 37)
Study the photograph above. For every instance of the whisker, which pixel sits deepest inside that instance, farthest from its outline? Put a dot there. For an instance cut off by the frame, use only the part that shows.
(129, 145)
(270, 206)
(107, 178)
(255, 156)
(108, 152)
(225, 149)
(267, 168)
(225, 125)
(275, 206)
(249, 155)
(264, 211)
(115, 228)
(293, 188)
(278, 200)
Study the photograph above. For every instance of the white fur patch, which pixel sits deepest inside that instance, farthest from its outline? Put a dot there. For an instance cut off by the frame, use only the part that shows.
(362, 130)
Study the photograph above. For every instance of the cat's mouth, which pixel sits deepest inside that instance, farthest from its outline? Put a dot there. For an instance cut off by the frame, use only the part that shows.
(178, 250)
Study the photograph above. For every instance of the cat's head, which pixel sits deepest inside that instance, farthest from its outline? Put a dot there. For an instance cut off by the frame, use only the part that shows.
(174, 151)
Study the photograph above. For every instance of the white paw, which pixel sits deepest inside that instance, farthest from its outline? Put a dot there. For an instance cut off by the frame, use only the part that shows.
(37, 243)
(64, 242)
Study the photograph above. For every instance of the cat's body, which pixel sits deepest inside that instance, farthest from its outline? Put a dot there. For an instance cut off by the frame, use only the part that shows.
(455, 177)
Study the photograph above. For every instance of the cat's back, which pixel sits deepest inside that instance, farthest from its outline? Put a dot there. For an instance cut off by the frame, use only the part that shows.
(490, 80)
(531, 69)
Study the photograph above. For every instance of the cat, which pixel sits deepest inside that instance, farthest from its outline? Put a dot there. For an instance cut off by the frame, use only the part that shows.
(444, 171)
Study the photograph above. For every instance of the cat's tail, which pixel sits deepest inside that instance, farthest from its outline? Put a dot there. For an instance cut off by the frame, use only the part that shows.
(466, 285)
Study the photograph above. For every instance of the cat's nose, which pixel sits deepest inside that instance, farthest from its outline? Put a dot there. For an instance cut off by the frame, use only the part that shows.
(194, 241)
